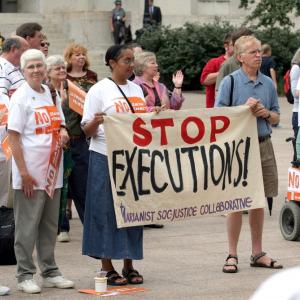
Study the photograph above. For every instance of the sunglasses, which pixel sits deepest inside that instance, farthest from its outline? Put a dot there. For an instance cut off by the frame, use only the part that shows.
(45, 44)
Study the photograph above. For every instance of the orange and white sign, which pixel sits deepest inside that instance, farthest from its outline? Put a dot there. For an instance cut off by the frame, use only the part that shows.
(54, 163)
(137, 103)
(47, 119)
(6, 148)
(293, 192)
(76, 97)
(3, 114)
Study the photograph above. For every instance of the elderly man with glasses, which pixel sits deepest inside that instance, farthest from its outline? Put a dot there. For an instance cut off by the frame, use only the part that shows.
(249, 86)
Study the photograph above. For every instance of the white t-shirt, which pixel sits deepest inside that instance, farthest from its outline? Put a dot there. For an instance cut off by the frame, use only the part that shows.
(105, 96)
(298, 104)
(34, 116)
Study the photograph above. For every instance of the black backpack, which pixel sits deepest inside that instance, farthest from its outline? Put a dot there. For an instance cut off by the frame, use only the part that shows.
(7, 236)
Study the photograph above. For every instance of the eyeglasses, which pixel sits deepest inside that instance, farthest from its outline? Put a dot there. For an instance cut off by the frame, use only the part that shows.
(58, 68)
(37, 66)
(127, 61)
(254, 52)
(43, 44)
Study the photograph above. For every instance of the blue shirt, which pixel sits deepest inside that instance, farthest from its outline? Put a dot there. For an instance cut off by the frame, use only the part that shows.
(262, 89)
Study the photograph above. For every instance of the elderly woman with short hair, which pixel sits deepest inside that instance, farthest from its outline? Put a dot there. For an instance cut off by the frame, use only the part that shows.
(35, 119)
(156, 93)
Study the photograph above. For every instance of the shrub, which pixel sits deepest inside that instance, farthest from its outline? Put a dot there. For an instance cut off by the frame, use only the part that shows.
(192, 45)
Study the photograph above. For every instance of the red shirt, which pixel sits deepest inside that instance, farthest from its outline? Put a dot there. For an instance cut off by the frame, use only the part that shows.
(212, 66)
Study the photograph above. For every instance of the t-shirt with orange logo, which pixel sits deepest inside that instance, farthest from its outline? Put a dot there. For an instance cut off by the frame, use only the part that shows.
(105, 96)
(34, 116)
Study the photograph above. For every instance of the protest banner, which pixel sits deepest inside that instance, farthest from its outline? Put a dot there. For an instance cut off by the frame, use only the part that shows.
(3, 114)
(53, 166)
(76, 97)
(6, 148)
(293, 190)
(177, 165)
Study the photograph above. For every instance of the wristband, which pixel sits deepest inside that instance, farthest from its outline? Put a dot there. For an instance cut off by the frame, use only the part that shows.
(177, 87)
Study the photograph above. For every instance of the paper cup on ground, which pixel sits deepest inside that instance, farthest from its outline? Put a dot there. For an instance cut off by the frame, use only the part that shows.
(100, 284)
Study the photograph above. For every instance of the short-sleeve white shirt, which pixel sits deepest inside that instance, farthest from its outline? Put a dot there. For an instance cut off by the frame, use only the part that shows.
(33, 116)
(105, 96)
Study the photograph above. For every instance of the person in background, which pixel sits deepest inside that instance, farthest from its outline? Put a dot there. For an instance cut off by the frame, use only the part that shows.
(231, 64)
(156, 93)
(152, 17)
(101, 237)
(44, 46)
(258, 91)
(294, 78)
(32, 33)
(211, 71)
(11, 78)
(117, 23)
(30, 138)
(57, 74)
(78, 72)
(268, 64)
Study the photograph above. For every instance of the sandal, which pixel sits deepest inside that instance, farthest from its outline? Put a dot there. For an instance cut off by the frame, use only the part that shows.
(235, 270)
(112, 278)
(254, 262)
(133, 276)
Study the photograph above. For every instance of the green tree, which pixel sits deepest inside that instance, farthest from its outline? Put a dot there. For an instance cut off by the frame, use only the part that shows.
(271, 13)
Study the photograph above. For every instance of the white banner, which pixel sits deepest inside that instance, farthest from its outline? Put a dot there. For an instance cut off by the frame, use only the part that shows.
(183, 164)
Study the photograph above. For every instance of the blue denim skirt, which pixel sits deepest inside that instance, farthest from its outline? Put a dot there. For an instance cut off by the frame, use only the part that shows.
(101, 237)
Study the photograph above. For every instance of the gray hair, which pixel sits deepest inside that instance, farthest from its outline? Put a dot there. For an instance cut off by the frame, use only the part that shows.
(296, 57)
(10, 43)
(31, 54)
(239, 46)
(54, 60)
(141, 60)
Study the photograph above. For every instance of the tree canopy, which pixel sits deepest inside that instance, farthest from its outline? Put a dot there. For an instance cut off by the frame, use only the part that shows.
(271, 13)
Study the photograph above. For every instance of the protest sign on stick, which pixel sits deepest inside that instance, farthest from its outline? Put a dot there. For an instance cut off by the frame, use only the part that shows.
(177, 165)
(76, 97)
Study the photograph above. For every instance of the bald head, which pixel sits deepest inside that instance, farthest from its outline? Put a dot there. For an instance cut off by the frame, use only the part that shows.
(13, 48)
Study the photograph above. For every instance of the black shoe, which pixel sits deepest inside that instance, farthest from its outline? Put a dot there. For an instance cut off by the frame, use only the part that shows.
(154, 226)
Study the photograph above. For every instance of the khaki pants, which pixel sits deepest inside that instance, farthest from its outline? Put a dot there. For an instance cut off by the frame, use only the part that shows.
(5, 175)
(36, 221)
(269, 168)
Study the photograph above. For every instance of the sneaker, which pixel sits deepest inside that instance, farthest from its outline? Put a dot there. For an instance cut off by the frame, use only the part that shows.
(29, 286)
(4, 290)
(58, 282)
(63, 237)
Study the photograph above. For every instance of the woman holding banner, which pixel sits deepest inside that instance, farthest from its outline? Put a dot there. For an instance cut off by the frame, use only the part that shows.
(101, 237)
(36, 134)
(78, 73)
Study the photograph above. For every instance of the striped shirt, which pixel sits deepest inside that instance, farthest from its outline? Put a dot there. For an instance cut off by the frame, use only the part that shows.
(11, 77)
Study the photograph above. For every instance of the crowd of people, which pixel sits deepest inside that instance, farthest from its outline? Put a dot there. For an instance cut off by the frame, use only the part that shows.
(35, 92)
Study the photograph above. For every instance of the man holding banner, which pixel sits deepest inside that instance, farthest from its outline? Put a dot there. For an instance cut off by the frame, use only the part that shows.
(248, 86)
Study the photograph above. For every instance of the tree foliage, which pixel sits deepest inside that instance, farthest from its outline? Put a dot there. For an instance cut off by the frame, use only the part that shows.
(192, 45)
(271, 13)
